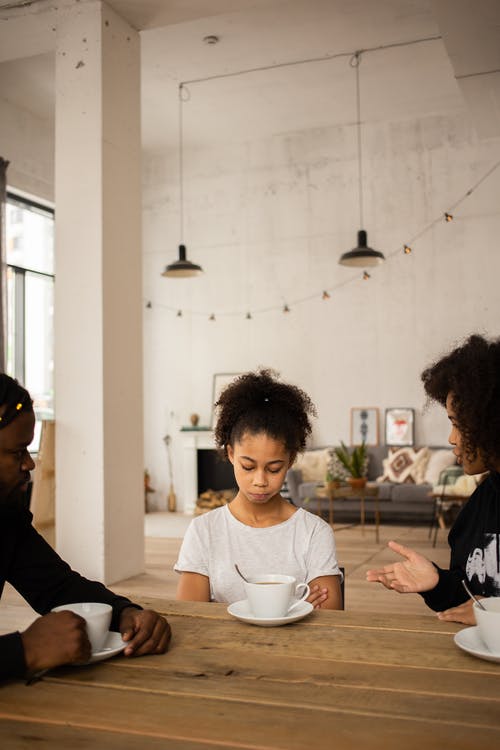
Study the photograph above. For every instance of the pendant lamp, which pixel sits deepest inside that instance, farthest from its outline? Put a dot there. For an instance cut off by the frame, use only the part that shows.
(182, 267)
(362, 254)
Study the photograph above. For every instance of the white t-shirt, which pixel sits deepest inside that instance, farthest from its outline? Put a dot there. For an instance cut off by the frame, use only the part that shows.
(303, 546)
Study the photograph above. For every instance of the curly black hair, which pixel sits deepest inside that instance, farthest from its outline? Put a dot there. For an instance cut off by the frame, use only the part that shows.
(14, 397)
(471, 373)
(257, 402)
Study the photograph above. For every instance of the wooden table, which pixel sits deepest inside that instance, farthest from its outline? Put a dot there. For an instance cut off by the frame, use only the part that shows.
(334, 680)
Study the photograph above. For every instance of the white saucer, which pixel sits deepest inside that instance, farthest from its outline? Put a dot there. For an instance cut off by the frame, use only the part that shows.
(469, 640)
(112, 646)
(241, 610)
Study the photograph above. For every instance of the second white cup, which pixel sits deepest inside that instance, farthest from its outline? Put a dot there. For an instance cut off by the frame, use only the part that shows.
(274, 596)
(97, 617)
(488, 622)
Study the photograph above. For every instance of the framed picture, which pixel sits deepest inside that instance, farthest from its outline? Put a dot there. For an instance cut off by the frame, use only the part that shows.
(364, 425)
(221, 379)
(399, 426)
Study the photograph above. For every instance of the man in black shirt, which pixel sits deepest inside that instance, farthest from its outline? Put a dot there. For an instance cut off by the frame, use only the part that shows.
(41, 576)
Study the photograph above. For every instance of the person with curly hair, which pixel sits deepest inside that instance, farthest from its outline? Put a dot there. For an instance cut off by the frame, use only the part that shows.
(262, 424)
(467, 383)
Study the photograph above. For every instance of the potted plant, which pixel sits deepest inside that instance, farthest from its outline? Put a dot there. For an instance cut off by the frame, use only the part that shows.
(354, 462)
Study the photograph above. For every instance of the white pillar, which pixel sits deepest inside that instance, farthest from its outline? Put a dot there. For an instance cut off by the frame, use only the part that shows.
(98, 310)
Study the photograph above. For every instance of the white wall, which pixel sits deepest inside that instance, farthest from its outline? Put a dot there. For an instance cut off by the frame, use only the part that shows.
(268, 221)
(27, 142)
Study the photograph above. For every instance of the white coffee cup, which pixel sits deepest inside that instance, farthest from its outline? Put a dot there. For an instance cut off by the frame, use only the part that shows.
(97, 617)
(273, 595)
(489, 622)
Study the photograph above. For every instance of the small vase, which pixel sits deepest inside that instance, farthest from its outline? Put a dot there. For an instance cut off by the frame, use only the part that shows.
(356, 483)
(194, 419)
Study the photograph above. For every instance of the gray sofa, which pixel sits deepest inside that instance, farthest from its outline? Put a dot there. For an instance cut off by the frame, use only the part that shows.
(397, 502)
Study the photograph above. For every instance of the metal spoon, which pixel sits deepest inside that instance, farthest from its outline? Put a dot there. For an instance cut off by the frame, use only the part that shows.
(464, 584)
(240, 573)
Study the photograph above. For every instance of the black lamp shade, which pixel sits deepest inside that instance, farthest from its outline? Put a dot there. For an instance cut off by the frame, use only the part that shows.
(182, 267)
(362, 255)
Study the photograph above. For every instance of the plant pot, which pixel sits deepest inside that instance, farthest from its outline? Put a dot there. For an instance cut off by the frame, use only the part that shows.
(356, 483)
(334, 484)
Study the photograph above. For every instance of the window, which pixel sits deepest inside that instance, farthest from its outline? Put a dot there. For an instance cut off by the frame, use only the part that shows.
(30, 302)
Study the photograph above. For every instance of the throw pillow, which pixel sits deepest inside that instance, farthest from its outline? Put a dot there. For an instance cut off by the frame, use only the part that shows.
(313, 465)
(438, 460)
(405, 465)
(464, 486)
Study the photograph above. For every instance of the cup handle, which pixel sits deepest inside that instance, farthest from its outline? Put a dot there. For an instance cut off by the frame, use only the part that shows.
(301, 598)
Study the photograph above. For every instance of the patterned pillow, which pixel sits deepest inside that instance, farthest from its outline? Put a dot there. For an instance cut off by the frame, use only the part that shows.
(405, 466)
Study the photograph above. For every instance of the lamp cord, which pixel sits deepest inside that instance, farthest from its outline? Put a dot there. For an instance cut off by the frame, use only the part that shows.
(181, 165)
(354, 63)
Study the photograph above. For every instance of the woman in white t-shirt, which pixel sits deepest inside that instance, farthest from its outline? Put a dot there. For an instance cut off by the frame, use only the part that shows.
(262, 424)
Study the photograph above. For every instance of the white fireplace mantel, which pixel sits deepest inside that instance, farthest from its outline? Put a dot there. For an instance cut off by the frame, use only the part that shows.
(193, 440)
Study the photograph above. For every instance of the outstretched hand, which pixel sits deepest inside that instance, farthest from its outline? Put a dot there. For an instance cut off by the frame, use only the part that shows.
(145, 631)
(415, 575)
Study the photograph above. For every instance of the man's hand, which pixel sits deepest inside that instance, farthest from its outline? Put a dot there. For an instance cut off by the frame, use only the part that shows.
(55, 639)
(145, 631)
(416, 574)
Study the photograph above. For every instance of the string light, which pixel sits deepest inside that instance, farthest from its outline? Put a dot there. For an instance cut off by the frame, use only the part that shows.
(407, 250)
(448, 216)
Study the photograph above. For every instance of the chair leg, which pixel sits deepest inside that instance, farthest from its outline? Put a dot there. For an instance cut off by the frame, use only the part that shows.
(436, 529)
(433, 519)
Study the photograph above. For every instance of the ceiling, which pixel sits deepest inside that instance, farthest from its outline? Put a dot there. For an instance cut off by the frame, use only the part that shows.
(397, 82)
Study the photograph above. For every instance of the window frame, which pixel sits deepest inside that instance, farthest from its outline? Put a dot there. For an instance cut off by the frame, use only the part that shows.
(20, 274)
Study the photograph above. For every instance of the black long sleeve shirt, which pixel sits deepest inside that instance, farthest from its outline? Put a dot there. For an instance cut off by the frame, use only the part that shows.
(38, 573)
(475, 550)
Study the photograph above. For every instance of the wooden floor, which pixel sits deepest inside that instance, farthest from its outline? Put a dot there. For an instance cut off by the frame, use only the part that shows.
(355, 551)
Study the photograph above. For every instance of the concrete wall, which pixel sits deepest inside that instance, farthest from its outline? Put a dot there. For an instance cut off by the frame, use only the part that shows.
(268, 221)
(27, 142)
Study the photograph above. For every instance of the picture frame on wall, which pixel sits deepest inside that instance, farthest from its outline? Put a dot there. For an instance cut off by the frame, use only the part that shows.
(399, 426)
(364, 425)
(221, 379)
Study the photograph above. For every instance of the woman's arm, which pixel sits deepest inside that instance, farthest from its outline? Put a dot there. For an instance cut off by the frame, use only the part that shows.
(329, 586)
(193, 587)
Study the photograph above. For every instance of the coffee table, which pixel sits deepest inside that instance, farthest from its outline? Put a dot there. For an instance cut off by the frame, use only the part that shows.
(345, 492)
